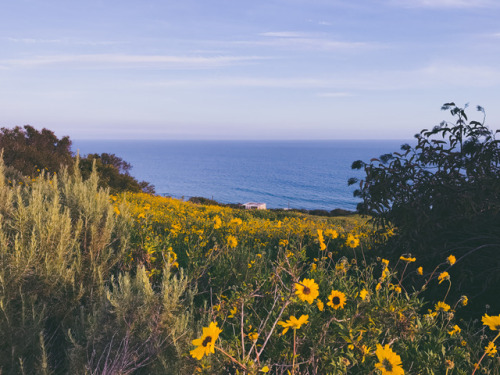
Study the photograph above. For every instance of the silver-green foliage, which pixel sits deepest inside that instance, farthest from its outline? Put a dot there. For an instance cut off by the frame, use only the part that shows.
(65, 303)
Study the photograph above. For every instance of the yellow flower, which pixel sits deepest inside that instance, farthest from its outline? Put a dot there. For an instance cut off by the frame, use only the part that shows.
(233, 312)
(293, 323)
(236, 221)
(321, 240)
(365, 350)
(217, 222)
(463, 343)
(385, 262)
(332, 233)
(117, 211)
(206, 343)
(464, 300)
(441, 306)
(314, 266)
(307, 290)
(378, 287)
(340, 267)
(320, 305)
(232, 242)
(420, 270)
(264, 369)
(253, 336)
(389, 362)
(352, 241)
(385, 273)
(443, 276)
(397, 289)
(283, 243)
(451, 260)
(456, 329)
(491, 321)
(491, 349)
(408, 260)
(363, 294)
(336, 300)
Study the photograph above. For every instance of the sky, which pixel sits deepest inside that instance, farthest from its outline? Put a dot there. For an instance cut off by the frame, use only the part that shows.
(254, 69)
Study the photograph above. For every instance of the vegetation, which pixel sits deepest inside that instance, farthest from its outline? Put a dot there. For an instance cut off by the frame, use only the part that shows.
(98, 281)
(27, 151)
(92, 283)
(443, 196)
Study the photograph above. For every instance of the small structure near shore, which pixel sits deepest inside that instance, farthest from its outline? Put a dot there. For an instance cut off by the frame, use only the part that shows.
(254, 206)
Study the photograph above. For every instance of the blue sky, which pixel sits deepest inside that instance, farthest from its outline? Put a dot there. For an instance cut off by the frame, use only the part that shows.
(259, 69)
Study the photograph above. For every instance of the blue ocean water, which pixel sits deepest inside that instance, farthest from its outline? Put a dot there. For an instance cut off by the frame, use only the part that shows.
(295, 174)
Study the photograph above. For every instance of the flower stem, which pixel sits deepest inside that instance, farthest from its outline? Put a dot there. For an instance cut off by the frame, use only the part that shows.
(294, 352)
(484, 354)
(231, 358)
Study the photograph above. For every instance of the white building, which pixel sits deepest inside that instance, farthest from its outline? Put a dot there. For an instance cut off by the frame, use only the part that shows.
(255, 206)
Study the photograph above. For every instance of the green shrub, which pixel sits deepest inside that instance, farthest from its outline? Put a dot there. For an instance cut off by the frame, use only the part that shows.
(65, 304)
(443, 196)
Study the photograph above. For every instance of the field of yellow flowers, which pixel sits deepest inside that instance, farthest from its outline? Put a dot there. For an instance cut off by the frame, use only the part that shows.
(290, 293)
(92, 283)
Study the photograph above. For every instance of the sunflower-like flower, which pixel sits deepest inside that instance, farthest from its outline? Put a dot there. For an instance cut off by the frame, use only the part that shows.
(363, 294)
(420, 271)
(491, 321)
(407, 260)
(442, 306)
(232, 242)
(206, 343)
(321, 240)
(336, 300)
(307, 290)
(293, 323)
(352, 241)
(456, 329)
(320, 305)
(217, 222)
(389, 362)
(451, 260)
(253, 336)
(443, 276)
(491, 349)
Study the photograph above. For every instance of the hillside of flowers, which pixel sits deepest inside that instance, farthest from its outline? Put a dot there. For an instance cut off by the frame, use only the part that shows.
(93, 283)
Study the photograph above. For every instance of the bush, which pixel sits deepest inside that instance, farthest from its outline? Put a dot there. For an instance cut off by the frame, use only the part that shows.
(113, 172)
(443, 196)
(30, 151)
(27, 152)
(66, 306)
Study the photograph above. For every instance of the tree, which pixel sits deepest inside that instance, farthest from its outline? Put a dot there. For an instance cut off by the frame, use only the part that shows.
(29, 151)
(113, 172)
(443, 195)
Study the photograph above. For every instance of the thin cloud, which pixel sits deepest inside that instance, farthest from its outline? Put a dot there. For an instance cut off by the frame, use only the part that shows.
(304, 41)
(104, 60)
(249, 82)
(66, 41)
(445, 3)
(435, 75)
(334, 94)
(286, 34)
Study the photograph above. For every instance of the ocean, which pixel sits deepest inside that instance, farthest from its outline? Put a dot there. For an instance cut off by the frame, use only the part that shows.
(282, 174)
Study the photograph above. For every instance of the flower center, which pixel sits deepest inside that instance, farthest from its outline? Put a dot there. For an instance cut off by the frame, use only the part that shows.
(336, 300)
(207, 341)
(306, 290)
(387, 364)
